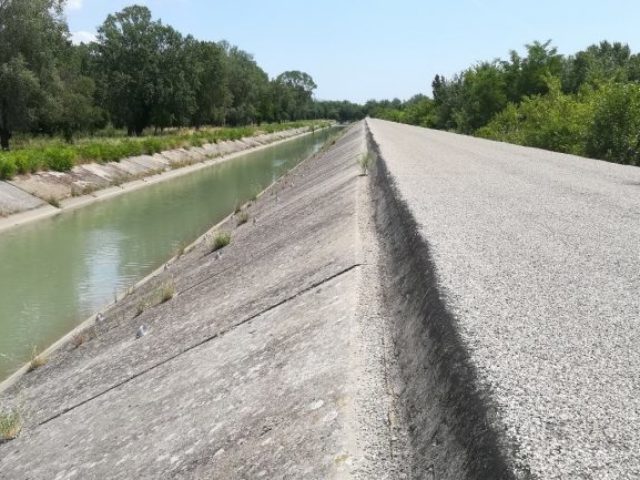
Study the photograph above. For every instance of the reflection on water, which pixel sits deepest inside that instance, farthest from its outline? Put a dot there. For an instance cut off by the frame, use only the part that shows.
(59, 271)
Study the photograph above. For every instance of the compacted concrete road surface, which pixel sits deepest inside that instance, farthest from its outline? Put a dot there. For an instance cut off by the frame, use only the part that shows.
(536, 257)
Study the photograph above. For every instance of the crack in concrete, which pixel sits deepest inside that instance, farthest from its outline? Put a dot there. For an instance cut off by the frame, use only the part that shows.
(200, 343)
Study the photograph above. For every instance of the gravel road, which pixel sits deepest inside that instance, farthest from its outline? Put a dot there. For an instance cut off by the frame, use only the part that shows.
(538, 259)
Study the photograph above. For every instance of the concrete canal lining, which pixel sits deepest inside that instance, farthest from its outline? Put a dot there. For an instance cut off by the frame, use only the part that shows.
(25, 198)
(260, 366)
(327, 341)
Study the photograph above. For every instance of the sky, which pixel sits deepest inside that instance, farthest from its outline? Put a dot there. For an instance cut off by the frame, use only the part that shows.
(373, 49)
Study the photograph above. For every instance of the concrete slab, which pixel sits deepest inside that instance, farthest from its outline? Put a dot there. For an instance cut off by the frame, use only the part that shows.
(13, 200)
(255, 368)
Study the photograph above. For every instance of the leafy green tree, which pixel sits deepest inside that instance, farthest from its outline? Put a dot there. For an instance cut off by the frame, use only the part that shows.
(247, 85)
(295, 90)
(140, 64)
(210, 83)
(33, 33)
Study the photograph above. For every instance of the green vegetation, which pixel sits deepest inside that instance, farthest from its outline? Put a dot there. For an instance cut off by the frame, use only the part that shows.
(140, 75)
(242, 218)
(364, 161)
(584, 104)
(221, 240)
(10, 425)
(32, 156)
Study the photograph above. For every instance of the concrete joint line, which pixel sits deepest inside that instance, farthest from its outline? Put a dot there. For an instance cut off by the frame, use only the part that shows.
(200, 343)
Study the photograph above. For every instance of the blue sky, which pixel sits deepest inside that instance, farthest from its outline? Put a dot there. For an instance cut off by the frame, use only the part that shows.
(362, 49)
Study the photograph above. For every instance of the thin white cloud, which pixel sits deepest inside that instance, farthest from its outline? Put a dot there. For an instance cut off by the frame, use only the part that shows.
(82, 37)
(74, 4)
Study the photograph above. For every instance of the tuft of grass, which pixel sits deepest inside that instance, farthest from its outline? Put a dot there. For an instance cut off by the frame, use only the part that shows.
(242, 218)
(167, 291)
(37, 360)
(10, 425)
(140, 308)
(221, 240)
(365, 161)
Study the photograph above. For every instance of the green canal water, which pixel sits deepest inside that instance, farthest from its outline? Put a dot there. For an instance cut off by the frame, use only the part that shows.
(57, 272)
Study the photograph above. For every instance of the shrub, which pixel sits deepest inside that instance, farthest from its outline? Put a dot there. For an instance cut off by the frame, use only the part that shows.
(7, 167)
(60, 159)
(614, 134)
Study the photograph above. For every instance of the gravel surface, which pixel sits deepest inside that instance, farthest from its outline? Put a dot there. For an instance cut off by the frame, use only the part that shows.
(538, 260)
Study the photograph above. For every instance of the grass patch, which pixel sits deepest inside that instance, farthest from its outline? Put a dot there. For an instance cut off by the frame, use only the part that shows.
(37, 360)
(10, 425)
(167, 291)
(242, 218)
(365, 161)
(221, 240)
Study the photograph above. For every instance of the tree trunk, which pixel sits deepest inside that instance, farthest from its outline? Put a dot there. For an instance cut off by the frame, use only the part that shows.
(5, 136)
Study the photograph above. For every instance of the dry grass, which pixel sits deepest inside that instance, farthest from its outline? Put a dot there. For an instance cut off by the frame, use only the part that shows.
(167, 291)
(37, 360)
(10, 425)
(78, 339)
(365, 161)
(242, 218)
(221, 240)
(140, 308)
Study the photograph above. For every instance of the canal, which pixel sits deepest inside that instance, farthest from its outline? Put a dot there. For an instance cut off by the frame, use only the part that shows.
(57, 272)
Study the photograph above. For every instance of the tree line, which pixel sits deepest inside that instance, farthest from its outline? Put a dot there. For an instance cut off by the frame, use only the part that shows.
(585, 104)
(139, 73)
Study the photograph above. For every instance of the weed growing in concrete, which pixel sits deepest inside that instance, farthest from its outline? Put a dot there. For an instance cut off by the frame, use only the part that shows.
(78, 340)
(167, 291)
(54, 202)
(37, 360)
(140, 308)
(221, 240)
(365, 160)
(10, 425)
(242, 218)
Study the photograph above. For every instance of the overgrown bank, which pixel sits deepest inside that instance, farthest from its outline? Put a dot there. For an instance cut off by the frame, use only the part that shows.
(52, 155)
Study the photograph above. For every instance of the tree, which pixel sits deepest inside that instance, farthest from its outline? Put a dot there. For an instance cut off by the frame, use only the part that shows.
(295, 93)
(32, 36)
(210, 83)
(141, 76)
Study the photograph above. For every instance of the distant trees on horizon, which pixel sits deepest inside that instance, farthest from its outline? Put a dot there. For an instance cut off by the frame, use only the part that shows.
(585, 104)
(139, 73)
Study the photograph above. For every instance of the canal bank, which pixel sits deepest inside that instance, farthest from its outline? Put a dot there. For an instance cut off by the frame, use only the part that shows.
(268, 358)
(58, 271)
(33, 197)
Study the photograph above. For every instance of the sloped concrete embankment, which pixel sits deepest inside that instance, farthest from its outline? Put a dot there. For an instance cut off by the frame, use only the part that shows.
(451, 425)
(252, 366)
